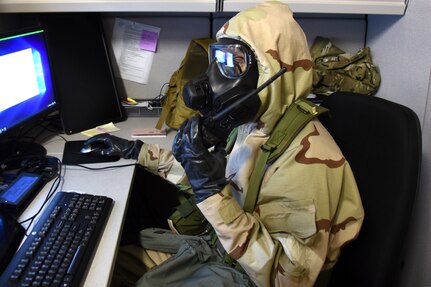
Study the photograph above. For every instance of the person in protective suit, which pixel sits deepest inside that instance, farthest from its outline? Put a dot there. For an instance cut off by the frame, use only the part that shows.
(308, 205)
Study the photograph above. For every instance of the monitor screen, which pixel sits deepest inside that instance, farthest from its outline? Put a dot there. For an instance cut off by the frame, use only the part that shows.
(26, 84)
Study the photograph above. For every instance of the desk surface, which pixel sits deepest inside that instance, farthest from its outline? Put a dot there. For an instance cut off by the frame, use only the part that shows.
(114, 183)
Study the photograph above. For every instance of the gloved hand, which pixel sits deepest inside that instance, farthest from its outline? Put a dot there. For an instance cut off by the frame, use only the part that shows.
(205, 170)
(109, 145)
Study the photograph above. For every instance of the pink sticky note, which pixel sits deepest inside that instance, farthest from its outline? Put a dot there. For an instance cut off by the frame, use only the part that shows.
(149, 40)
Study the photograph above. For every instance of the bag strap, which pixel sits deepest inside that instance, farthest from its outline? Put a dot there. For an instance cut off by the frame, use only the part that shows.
(298, 114)
(162, 117)
(231, 140)
(296, 117)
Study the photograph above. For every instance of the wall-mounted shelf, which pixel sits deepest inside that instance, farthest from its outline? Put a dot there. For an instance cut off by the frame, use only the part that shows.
(384, 7)
(24, 6)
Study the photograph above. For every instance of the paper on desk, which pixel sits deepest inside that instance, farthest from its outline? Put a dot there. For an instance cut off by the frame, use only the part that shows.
(148, 133)
(134, 45)
(107, 128)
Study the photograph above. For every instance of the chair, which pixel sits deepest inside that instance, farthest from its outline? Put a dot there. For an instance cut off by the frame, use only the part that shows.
(382, 141)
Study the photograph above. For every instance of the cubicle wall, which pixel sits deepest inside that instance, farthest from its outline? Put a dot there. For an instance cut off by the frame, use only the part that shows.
(177, 29)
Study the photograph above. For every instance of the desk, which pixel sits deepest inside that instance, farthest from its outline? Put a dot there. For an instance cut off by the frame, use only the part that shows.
(114, 183)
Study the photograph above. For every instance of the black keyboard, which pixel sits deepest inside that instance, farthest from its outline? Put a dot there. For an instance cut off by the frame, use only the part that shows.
(60, 247)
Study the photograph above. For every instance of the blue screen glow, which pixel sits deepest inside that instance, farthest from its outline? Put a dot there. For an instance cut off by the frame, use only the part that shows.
(26, 84)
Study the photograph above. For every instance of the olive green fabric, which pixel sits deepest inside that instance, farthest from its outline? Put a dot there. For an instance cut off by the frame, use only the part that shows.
(194, 263)
(195, 62)
(187, 219)
(334, 70)
(297, 116)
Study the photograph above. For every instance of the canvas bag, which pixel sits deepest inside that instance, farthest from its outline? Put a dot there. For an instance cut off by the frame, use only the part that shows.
(194, 263)
(334, 70)
(195, 62)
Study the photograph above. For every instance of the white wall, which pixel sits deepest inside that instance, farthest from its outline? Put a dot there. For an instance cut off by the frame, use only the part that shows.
(401, 47)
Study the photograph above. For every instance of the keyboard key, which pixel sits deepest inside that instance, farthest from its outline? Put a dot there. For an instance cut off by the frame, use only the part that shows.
(60, 246)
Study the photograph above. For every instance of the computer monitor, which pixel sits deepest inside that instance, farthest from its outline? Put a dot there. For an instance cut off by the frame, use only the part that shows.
(86, 87)
(27, 91)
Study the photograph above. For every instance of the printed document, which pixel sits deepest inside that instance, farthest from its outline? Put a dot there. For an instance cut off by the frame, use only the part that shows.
(134, 46)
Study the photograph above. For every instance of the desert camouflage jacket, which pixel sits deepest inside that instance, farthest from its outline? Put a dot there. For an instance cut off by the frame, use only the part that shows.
(309, 205)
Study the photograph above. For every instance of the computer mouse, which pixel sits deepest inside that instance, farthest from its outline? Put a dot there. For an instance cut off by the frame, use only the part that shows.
(89, 148)
(86, 149)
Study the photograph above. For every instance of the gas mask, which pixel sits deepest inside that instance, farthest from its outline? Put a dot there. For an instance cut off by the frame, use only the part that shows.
(223, 94)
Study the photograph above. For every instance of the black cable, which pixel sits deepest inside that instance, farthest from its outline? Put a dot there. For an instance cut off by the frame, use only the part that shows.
(105, 167)
(51, 192)
(23, 133)
(160, 98)
(56, 184)
(31, 128)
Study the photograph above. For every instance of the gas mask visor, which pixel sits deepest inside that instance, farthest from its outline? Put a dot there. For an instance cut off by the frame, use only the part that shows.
(233, 57)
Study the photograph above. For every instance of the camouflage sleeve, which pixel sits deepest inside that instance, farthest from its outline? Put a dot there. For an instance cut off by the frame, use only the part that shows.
(261, 254)
(161, 162)
(274, 254)
(347, 220)
(308, 208)
(240, 233)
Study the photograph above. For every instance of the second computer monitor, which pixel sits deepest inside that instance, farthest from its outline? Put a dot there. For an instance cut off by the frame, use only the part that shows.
(87, 90)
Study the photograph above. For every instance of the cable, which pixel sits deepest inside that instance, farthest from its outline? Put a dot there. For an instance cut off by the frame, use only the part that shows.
(162, 94)
(51, 192)
(105, 167)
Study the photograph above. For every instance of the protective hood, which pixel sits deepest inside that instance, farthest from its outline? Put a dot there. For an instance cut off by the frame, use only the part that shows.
(278, 41)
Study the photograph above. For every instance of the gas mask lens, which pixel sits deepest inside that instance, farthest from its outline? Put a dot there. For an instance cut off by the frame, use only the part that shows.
(233, 60)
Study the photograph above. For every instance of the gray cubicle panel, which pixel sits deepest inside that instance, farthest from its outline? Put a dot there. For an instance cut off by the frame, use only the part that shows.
(177, 29)
(346, 31)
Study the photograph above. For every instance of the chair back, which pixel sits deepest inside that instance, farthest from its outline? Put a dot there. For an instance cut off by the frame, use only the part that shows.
(382, 142)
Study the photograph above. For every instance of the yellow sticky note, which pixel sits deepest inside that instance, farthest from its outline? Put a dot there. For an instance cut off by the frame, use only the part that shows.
(106, 128)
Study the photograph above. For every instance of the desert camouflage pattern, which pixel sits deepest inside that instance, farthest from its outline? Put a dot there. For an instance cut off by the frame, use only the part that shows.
(308, 208)
(277, 42)
(309, 205)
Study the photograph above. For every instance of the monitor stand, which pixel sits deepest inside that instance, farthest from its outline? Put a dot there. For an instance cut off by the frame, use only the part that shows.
(13, 152)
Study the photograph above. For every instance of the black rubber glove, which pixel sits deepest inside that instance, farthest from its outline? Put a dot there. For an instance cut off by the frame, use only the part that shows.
(205, 170)
(109, 145)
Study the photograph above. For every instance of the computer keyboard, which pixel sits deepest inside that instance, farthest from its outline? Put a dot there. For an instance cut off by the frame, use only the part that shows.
(60, 247)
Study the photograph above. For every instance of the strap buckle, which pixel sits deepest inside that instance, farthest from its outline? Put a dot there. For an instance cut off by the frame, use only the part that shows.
(306, 107)
(267, 148)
